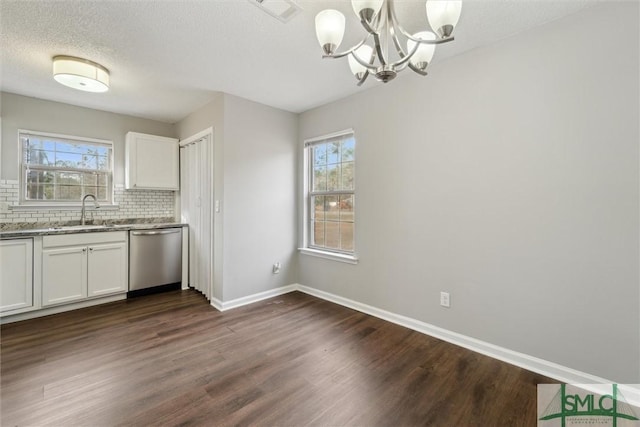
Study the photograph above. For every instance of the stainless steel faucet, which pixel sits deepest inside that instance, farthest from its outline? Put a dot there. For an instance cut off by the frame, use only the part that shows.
(95, 203)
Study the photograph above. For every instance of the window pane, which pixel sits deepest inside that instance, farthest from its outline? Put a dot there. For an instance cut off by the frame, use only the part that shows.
(333, 152)
(31, 143)
(39, 157)
(48, 145)
(347, 176)
(318, 208)
(332, 234)
(346, 236)
(68, 178)
(89, 162)
(320, 178)
(103, 163)
(68, 192)
(39, 192)
(32, 177)
(332, 210)
(102, 151)
(68, 160)
(89, 190)
(333, 177)
(318, 233)
(102, 179)
(320, 154)
(346, 208)
(101, 193)
(89, 179)
(348, 150)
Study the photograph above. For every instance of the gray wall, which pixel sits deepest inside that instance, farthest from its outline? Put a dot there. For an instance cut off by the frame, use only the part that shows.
(509, 178)
(255, 181)
(260, 197)
(21, 112)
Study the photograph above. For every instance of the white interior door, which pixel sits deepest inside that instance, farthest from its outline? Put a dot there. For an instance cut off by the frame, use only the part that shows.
(197, 210)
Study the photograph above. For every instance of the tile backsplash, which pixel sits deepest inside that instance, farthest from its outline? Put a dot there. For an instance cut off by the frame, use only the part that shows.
(130, 205)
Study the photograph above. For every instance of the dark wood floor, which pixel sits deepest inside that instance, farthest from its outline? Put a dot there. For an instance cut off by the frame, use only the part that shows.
(293, 360)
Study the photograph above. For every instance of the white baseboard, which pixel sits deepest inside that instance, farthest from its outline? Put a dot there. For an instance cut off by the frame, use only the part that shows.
(525, 361)
(216, 303)
(250, 299)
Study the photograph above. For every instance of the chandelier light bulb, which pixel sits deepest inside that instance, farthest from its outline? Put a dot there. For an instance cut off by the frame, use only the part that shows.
(330, 30)
(366, 9)
(443, 15)
(364, 52)
(424, 52)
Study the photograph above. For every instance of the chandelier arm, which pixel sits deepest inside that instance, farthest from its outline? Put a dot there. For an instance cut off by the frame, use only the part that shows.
(373, 27)
(364, 77)
(417, 70)
(381, 58)
(405, 59)
(369, 64)
(347, 52)
(396, 43)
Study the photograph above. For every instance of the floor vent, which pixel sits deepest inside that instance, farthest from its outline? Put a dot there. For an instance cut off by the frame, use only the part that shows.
(283, 10)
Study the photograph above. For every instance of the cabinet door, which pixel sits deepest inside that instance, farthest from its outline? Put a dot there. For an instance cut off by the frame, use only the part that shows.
(64, 275)
(152, 162)
(16, 274)
(107, 271)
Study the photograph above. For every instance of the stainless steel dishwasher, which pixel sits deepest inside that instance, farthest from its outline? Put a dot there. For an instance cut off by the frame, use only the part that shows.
(155, 258)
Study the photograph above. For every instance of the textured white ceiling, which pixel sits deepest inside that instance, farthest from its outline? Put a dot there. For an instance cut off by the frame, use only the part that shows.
(168, 58)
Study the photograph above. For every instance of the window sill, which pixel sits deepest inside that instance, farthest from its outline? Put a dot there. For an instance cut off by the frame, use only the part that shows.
(57, 207)
(349, 259)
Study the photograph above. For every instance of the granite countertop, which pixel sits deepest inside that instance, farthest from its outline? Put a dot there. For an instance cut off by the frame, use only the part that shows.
(10, 230)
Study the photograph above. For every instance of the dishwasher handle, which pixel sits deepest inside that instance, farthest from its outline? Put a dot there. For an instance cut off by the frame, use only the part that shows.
(154, 233)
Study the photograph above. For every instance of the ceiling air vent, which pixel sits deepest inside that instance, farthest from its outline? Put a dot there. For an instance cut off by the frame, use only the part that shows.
(283, 10)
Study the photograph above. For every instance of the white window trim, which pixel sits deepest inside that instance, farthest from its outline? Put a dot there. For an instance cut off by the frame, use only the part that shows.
(26, 205)
(305, 249)
(335, 256)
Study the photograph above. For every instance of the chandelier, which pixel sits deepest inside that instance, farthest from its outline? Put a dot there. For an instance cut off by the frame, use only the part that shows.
(378, 17)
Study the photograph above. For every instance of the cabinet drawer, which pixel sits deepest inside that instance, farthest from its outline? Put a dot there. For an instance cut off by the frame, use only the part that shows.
(83, 238)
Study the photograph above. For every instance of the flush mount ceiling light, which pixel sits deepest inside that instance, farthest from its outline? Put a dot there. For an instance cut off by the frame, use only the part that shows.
(378, 17)
(80, 74)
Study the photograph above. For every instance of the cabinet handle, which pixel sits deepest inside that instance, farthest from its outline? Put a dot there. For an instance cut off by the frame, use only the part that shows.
(84, 249)
(91, 249)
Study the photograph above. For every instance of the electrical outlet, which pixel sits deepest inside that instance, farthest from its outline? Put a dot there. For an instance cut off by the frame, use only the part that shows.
(445, 299)
(276, 268)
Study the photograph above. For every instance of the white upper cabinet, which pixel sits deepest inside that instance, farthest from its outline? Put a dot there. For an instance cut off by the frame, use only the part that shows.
(151, 162)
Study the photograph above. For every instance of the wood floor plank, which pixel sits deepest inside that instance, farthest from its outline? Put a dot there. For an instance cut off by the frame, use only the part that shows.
(172, 359)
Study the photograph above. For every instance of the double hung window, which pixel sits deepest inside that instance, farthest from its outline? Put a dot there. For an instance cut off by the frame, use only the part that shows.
(331, 193)
(62, 169)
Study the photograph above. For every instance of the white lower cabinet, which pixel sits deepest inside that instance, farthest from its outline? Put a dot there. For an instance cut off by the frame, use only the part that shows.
(16, 274)
(80, 266)
(107, 270)
(64, 275)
